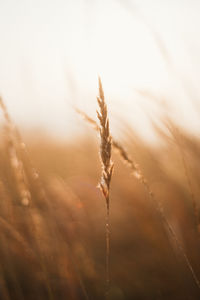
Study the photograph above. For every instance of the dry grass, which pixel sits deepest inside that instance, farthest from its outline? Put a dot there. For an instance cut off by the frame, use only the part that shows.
(107, 169)
(16, 163)
(52, 246)
(137, 172)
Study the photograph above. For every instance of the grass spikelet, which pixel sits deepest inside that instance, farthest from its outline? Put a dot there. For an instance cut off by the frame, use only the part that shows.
(116, 145)
(105, 147)
(107, 168)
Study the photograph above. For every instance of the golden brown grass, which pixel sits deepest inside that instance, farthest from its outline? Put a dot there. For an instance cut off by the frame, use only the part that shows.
(16, 163)
(179, 142)
(136, 170)
(53, 248)
(107, 169)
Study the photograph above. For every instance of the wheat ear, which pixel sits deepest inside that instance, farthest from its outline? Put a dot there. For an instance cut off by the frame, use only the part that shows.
(107, 169)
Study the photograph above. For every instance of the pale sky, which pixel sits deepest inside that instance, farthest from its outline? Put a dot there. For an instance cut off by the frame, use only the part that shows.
(52, 52)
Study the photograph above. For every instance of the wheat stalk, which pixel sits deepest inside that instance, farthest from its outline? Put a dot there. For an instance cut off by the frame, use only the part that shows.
(137, 172)
(107, 169)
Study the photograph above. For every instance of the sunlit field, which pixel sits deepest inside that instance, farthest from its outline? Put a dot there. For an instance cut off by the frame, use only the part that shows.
(100, 147)
(53, 218)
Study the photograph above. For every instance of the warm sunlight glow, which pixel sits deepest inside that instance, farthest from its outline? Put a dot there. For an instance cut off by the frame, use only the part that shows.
(52, 53)
(99, 149)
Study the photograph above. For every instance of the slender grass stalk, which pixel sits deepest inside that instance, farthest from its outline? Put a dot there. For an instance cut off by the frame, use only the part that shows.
(107, 170)
(177, 138)
(137, 172)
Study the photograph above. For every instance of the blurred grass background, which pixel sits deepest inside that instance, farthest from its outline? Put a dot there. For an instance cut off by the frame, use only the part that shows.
(54, 247)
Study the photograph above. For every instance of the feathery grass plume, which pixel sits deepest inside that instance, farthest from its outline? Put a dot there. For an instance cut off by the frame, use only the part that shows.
(116, 146)
(16, 163)
(107, 169)
(138, 174)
